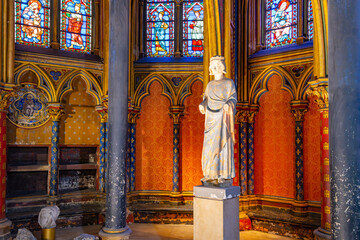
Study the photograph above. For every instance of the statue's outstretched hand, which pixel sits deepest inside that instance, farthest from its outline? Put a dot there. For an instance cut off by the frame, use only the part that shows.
(202, 109)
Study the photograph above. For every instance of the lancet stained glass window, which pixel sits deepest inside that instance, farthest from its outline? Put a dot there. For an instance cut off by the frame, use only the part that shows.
(32, 22)
(75, 25)
(193, 29)
(281, 22)
(310, 21)
(160, 28)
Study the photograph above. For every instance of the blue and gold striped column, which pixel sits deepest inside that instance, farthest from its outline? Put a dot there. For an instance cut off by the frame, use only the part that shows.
(250, 152)
(241, 118)
(132, 116)
(299, 112)
(103, 136)
(176, 112)
(56, 111)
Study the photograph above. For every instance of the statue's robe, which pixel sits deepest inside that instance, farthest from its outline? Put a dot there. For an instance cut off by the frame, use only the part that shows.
(218, 149)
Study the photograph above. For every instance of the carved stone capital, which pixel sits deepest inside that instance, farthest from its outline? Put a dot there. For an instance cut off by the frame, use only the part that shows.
(103, 113)
(321, 92)
(251, 116)
(5, 99)
(299, 113)
(56, 111)
(241, 116)
(133, 115)
(176, 113)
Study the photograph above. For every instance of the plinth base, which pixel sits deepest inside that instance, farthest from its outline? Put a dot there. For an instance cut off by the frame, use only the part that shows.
(216, 213)
(322, 234)
(5, 227)
(118, 234)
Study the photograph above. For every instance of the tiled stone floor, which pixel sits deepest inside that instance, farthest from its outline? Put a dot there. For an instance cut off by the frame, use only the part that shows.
(157, 232)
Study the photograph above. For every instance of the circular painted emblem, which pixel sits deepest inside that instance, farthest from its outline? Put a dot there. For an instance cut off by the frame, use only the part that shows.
(28, 108)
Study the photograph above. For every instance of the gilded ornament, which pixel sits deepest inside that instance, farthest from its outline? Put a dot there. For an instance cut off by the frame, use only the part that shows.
(241, 116)
(55, 113)
(251, 116)
(299, 113)
(322, 96)
(27, 108)
(176, 116)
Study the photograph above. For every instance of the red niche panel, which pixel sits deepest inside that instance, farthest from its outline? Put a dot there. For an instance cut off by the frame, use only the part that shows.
(274, 143)
(192, 137)
(154, 142)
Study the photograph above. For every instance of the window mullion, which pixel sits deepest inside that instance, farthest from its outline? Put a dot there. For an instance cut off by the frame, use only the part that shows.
(54, 24)
(177, 24)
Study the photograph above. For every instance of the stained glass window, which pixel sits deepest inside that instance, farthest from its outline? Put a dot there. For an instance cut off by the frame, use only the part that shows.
(310, 21)
(281, 22)
(160, 28)
(75, 26)
(32, 22)
(193, 28)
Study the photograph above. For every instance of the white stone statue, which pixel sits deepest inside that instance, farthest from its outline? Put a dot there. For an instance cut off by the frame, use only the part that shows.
(218, 105)
(24, 234)
(48, 216)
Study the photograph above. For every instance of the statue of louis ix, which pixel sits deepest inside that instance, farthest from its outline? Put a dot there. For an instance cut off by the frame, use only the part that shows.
(219, 107)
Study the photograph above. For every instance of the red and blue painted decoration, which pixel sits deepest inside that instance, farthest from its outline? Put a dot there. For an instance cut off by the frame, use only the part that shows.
(243, 158)
(132, 156)
(54, 164)
(251, 168)
(176, 157)
(102, 157)
(299, 159)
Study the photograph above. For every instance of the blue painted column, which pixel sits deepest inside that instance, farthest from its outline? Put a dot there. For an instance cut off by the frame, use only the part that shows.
(241, 118)
(117, 62)
(132, 115)
(176, 113)
(344, 117)
(250, 152)
(55, 111)
(103, 136)
(299, 112)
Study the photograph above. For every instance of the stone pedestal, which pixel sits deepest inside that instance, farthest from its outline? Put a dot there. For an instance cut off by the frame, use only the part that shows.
(216, 213)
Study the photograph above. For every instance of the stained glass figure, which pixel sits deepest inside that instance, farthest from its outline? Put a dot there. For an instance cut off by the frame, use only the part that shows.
(193, 29)
(310, 21)
(160, 28)
(76, 25)
(32, 21)
(281, 22)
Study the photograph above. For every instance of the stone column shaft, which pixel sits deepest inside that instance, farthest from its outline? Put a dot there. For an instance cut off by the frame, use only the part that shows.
(299, 113)
(103, 136)
(176, 113)
(5, 224)
(118, 73)
(250, 153)
(132, 115)
(55, 111)
(241, 118)
(344, 117)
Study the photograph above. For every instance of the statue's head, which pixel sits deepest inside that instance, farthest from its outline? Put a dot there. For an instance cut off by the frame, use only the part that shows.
(217, 65)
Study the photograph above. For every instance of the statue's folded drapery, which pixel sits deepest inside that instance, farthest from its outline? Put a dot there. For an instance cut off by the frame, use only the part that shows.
(218, 149)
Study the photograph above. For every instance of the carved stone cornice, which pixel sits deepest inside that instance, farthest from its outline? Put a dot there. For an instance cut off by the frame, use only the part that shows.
(176, 113)
(56, 111)
(322, 95)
